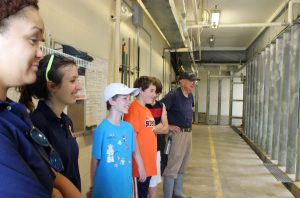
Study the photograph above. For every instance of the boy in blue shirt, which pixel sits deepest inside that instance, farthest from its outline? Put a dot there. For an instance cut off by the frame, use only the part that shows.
(113, 146)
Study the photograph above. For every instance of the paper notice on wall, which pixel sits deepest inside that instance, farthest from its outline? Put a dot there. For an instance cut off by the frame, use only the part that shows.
(96, 81)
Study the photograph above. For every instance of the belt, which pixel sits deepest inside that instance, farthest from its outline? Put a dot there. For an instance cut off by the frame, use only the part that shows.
(185, 129)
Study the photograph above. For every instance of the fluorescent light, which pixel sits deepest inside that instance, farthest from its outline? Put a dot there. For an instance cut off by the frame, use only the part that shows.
(215, 17)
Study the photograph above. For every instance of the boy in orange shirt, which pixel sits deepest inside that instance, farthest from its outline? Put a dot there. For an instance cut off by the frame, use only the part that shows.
(140, 117)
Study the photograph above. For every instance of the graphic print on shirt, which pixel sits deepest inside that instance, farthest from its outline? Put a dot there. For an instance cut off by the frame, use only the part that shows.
(149, 122)
(125, 140)
(122, 160)
(115, 148)
(156, 112)
(110, 154)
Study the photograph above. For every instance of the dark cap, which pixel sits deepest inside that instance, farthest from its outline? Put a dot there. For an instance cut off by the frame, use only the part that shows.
(188, 76)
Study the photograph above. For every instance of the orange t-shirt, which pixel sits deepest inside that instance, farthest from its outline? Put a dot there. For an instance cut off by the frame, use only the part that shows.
(143, 123)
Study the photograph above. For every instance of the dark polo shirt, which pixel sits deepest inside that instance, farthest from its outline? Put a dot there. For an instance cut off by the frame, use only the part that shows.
(59, 132)
(23, 172)
(179, 108)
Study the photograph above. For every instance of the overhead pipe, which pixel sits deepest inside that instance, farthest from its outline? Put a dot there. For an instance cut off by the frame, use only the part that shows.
(186, 34)
(290, 11)
(240, 25)
(175, 13)
(152, 20)
(196, 15)
(200, 29)
(199, 42)
(270, 24)
(253, 24)
(183, 16)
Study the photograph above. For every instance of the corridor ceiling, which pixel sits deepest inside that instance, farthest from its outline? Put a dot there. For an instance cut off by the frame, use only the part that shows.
(227, 39)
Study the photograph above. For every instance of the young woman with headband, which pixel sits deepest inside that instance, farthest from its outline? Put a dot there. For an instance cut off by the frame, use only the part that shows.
(56, 87)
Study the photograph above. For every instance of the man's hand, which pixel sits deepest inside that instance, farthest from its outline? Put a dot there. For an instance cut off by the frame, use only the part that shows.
(174, 129)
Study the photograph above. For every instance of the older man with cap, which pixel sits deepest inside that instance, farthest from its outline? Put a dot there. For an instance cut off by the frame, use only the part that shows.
(179, 104)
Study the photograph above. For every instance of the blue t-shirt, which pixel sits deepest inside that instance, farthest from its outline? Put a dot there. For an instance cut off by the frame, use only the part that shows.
(59, 132)
(179, 108)
(113, 147)
(23, 172)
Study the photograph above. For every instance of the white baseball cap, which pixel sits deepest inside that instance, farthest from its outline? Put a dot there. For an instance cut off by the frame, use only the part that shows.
(118, 89)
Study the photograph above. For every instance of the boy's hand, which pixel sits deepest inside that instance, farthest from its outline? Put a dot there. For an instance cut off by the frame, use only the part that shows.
(142, 174)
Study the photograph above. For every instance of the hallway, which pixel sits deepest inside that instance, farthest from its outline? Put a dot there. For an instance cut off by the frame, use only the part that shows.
(223, 165)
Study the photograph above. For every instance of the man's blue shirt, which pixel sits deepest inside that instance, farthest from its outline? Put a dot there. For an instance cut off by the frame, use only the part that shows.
(179, 108)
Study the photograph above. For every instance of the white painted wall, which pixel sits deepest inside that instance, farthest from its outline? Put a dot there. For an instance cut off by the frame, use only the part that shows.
(237, 108)
(87, 25)
(202, 91)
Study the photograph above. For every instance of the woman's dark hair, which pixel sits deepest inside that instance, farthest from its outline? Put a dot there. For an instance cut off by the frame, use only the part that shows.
(11, 7)
(143, 82)
(39, 89)
(158, 85)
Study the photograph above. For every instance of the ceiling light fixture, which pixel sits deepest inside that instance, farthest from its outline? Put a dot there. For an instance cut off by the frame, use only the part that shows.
(211, 41)
(215, 17)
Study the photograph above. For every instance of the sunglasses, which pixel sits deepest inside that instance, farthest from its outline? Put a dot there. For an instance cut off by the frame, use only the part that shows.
(195, 82)
(49, 66)
(53, 159)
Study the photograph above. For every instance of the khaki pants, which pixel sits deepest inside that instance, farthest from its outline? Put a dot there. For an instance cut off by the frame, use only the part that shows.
(181, 148)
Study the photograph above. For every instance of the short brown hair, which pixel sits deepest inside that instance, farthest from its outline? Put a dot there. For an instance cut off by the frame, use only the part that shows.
(143, 82)
(157, 84)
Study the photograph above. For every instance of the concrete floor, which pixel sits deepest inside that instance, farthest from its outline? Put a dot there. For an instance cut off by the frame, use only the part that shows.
(223, 165)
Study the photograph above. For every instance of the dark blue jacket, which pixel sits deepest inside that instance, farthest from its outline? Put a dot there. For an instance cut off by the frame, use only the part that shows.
(23, 172)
